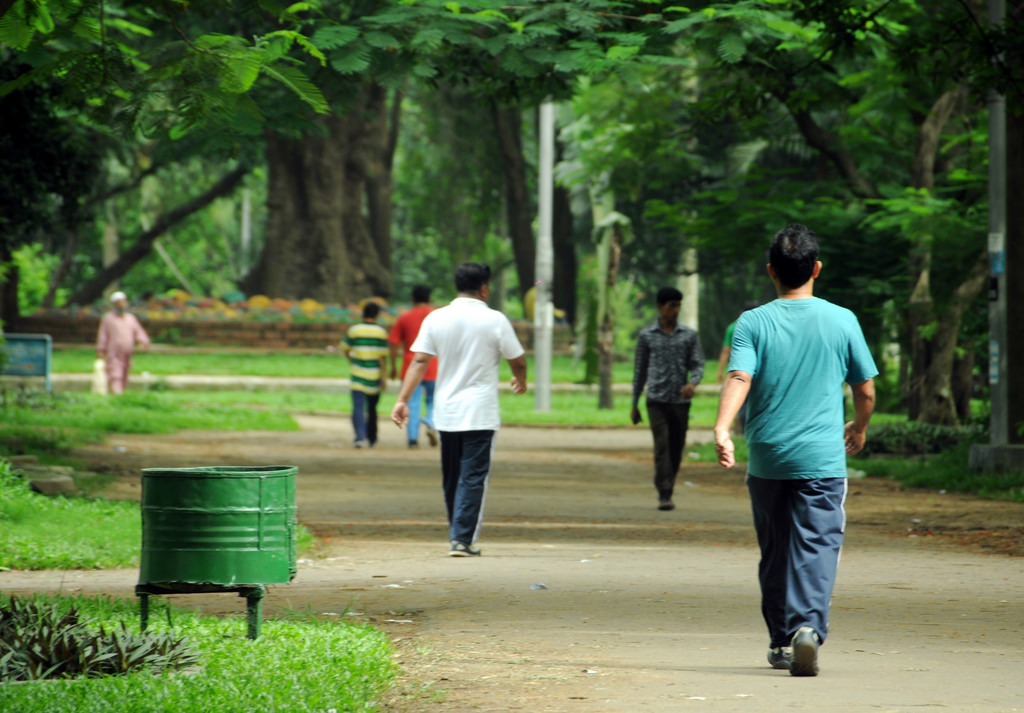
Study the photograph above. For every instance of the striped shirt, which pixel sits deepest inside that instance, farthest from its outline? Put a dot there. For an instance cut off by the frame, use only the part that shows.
(666, 362)
(366, 345)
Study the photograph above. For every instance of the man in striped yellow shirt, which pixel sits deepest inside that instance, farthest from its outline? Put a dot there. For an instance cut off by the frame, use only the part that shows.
(366, 346)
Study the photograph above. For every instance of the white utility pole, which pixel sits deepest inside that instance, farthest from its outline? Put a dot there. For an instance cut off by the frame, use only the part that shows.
(543, 311)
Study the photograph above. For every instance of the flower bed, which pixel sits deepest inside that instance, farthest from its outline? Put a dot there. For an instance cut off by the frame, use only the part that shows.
(258, 322)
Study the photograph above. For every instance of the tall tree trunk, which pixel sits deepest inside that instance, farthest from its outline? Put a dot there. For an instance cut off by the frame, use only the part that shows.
(142, 246)
(508, 125)
(380, 163)
(563, 289)
(937, 402)
(930, 396)
(963, 384)
(67, 256)
(10, 310)
(320, 243)
(920, 315)
(611, 249)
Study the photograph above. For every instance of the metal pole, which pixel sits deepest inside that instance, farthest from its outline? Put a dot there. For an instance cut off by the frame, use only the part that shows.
(543, 313)
(998, 370)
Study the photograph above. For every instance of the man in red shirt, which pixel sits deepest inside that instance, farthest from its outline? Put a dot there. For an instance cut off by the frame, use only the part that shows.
(403, 334)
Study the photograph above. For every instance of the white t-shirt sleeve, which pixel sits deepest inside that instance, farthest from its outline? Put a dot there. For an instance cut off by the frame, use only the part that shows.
(508, 341)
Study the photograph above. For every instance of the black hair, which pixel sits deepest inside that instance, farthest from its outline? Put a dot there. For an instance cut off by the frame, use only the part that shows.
(471, 276)
(669, 294)
(793, 254)
(371, 310)
(420, 293)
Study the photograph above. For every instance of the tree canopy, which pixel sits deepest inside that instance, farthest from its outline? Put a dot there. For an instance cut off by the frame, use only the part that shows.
(397, 138)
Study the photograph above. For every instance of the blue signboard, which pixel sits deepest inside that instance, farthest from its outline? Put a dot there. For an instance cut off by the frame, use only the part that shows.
(28, 355)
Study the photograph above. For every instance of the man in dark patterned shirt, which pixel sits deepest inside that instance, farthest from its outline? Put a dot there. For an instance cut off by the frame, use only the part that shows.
(670, 362)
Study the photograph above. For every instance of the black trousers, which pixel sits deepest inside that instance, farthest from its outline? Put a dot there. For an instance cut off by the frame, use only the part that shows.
(465, 469)
(668, 425)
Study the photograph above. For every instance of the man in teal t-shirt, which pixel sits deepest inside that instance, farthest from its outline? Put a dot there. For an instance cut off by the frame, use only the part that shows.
(789, 359)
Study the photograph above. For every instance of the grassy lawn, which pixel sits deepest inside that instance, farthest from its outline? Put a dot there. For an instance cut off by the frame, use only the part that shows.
(302, 664)
(564, 369)
(573, 409)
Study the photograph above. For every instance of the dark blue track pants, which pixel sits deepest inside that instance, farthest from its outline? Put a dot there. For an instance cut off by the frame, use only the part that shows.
(799, 526)
(465, 468)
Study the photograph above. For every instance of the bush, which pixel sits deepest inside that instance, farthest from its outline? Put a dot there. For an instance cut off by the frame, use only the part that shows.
(40, 641)
(913, 438)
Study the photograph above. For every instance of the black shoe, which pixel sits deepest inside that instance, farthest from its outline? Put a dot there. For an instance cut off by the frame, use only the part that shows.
(780, 656)
(805, 652)
(666, 504)
(461, 549)
(414, 444)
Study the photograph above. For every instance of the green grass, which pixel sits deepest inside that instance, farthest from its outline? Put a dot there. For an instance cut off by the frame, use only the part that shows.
(573, 409)
(227, 363)
(38, 532)
(580, 410)
(301, 664)
(79, 417)
(326, 365)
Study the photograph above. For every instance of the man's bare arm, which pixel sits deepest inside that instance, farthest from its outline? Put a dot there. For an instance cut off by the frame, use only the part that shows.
(856, 430)
(734, 393)
(413, 377)
(393, 349)
(518, 374)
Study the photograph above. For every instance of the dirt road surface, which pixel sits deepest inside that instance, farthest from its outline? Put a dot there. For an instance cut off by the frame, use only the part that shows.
(589, 600)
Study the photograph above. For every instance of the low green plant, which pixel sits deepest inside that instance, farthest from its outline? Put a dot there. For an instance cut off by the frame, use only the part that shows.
(40, 640)
(949, 471)
(308, 666)
(914, 438)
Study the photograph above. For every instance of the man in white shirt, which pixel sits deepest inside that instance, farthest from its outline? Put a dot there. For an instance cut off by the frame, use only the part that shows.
(469, 340)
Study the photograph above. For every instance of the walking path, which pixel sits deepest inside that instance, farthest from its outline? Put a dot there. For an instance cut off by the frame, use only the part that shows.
(587, 598)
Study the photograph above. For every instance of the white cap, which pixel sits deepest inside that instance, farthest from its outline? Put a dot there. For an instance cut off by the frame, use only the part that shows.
(118, 296)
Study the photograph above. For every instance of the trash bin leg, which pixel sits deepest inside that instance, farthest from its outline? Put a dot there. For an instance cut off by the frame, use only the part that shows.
(254, 608)
(143, 610)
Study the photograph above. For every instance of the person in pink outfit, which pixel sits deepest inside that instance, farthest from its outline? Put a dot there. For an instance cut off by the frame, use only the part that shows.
(119, 332)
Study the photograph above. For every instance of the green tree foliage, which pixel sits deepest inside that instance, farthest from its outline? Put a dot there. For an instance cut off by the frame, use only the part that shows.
(48, 163)
(850, 117)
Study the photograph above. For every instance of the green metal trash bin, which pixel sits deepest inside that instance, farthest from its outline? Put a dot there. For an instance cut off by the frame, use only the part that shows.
(217, 529)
